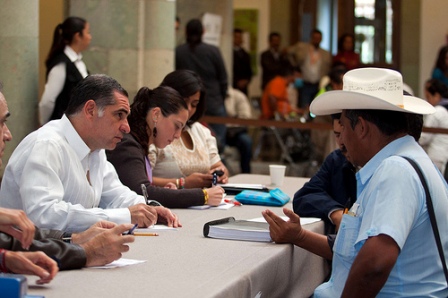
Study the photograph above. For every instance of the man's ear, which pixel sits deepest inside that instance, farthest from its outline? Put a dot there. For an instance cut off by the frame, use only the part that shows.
(90, 109)
(363, 127)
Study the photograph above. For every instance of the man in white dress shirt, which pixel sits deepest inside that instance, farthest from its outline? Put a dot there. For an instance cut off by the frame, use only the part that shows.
(59, 174)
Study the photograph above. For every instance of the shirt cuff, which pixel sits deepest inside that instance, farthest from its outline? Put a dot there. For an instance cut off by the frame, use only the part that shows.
(331, 211)
(119, 215)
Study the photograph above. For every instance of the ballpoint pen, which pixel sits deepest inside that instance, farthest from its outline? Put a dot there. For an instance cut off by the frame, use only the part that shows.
(145, 195)
(132, 229)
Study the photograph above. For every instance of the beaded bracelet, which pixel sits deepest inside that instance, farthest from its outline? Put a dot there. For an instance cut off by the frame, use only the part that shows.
(205, 196)
(3, 267)
(181, 183)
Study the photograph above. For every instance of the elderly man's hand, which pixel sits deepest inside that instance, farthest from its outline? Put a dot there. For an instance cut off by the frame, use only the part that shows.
(143, 215)
(18, 225)
(284, 231)
(91, 232)
(108, 246)
(165, 216)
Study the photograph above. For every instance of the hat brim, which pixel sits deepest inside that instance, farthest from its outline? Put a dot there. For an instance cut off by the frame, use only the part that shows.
(333, 102)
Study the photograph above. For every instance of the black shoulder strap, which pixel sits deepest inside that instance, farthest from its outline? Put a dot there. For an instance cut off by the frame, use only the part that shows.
(432, 216)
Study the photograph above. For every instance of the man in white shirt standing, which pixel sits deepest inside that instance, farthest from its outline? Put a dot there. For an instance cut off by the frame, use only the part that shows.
(314, 63)
(59, 174)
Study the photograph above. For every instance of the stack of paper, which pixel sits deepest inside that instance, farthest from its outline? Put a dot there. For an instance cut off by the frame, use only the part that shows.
(256, 229)
(241, 230)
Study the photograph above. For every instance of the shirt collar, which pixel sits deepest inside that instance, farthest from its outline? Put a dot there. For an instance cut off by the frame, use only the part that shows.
(72, 55)
(367, 171)
(74, 139)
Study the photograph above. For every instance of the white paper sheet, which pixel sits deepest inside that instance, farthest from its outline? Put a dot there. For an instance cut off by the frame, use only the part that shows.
(119, 263)
(303, 220)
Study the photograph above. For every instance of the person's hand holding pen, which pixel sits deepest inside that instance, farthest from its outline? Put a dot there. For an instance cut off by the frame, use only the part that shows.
(91, 232)
(143, 215)
(215, 195)
(163, 215)
(107, 246)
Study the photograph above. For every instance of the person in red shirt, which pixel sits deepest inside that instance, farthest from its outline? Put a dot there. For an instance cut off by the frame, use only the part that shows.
(346, 52)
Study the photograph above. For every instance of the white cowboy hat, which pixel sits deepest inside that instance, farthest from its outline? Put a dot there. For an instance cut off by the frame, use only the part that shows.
(370, 89)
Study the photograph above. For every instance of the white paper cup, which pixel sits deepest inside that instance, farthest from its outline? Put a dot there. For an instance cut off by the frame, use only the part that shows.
(277, 174)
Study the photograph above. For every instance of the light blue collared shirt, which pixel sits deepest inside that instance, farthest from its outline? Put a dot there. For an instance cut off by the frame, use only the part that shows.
(392, 201)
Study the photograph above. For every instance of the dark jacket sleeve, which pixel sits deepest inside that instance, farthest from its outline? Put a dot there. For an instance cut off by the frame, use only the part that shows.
(317, 197)
(221, 73)
(69, 256)
(129, 162)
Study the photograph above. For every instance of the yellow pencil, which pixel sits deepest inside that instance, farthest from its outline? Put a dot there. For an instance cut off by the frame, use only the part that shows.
(145, 234)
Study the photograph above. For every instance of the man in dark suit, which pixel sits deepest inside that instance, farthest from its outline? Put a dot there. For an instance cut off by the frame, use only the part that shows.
(272, 59)
(242, 70)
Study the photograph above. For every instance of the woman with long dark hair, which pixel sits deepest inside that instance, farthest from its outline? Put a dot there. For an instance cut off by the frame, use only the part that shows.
(194, 156)
(440, 71)
(65, 67)
(346, 53)
(157, 118)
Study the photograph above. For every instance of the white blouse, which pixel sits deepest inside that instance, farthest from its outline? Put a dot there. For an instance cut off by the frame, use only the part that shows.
(176, 160)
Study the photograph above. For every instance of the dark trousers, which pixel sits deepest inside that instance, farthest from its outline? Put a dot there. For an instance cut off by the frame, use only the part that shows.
(307, 94)
(242, 141)
(219, 129)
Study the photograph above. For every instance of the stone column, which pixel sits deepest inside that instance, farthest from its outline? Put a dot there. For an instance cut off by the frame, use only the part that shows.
(19, 67)
(132, 40)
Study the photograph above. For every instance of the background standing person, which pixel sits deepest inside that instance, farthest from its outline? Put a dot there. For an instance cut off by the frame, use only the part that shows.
(314, 63)
(440, 71)
(242, 69)
(272, 60)
(436, 145)
(346, 53)
(65, 67)
(207, 62)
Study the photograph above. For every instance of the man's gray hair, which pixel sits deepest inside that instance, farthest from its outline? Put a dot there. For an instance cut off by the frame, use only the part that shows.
(98, 87)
